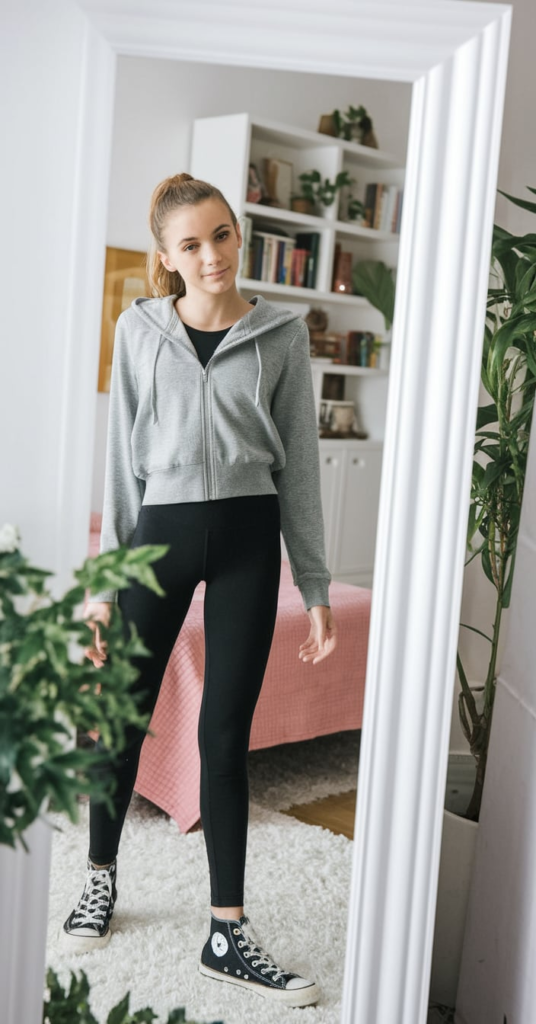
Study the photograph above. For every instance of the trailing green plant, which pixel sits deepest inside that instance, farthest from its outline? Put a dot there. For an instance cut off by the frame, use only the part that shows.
(319, 190)
(49, 688)
(376, 281)
(62, 1006)
(508, 374)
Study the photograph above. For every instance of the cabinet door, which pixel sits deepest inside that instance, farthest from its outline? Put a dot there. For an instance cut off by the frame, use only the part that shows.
(360, 495)
(331, 471)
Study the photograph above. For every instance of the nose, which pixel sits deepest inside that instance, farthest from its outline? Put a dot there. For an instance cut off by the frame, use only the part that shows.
(212, 256)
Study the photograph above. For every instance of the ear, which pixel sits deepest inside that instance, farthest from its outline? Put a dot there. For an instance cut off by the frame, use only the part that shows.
(164, 259)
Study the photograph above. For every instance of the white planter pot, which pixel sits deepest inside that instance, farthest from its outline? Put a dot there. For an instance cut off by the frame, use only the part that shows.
(457, 855)
(24, 882)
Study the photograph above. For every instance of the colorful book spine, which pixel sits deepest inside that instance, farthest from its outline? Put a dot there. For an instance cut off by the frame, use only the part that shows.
(271, 257)
(383, 204)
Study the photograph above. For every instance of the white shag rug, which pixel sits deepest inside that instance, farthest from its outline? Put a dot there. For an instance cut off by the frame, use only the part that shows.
(297, 885)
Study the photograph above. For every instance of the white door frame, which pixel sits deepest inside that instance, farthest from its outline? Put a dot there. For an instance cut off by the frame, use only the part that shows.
(455, 54)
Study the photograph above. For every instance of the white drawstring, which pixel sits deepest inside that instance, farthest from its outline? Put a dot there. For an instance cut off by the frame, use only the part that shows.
(153, 387)
(260, 373)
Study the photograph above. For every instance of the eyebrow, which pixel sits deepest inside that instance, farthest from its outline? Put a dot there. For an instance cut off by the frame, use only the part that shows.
(194, 237)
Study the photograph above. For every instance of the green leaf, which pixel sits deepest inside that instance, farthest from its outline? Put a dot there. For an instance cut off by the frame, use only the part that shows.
(374, 280)
(523, 203)
(486, 414)
(120, 1014)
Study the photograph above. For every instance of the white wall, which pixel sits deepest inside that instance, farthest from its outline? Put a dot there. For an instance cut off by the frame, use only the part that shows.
(36, 201)
(43, 175)
(498, 979)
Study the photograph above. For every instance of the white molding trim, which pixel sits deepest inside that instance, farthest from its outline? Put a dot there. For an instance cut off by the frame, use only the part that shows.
(456, 55)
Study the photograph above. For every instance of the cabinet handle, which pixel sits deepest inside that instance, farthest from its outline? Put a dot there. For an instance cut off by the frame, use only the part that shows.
(357, 461)
(330, 459)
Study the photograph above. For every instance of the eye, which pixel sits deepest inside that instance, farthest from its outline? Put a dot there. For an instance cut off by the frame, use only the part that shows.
(223, 234)
(188, 247)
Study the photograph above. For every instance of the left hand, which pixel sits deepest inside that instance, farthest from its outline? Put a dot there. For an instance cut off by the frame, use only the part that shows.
(322, 639)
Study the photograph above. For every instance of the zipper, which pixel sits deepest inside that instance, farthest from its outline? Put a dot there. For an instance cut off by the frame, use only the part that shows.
(206, 445)
(208, 464)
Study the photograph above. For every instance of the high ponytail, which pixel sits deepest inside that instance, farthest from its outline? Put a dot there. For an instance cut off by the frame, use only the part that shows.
(172, 193)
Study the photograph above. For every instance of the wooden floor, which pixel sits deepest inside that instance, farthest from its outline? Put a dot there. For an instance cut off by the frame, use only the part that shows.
(337, 813)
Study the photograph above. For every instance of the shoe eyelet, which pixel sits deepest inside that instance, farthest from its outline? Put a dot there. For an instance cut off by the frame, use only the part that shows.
(246, 976)
(263, 970)
(246, 954)
(236, 931)
(240, 943)
(254, 963)
(237, 971)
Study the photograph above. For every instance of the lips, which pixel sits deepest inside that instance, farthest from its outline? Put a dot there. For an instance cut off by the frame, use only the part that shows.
(218, 274)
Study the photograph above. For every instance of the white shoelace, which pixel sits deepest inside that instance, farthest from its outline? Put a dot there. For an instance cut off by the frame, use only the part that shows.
(97, 891)
(254, 948)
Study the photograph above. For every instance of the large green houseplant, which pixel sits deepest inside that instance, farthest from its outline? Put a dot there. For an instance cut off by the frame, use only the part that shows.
(48, 690)
(502, 438)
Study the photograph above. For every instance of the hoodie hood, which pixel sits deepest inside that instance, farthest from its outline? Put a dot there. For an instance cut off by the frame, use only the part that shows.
(162, 317)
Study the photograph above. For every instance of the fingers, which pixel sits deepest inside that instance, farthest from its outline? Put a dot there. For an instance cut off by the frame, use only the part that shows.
(96, 652)
(316, 648)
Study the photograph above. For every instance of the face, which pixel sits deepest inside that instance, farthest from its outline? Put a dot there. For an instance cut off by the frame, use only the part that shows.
(202, 244)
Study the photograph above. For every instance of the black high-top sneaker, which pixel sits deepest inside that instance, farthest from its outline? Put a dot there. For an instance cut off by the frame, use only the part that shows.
(88, 926)
(233, 953)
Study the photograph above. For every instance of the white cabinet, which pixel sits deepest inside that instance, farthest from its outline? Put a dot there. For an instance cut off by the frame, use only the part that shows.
(350, 473)
(222, 149)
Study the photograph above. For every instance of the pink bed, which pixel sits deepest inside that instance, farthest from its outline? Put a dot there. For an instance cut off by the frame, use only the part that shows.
(297, 701)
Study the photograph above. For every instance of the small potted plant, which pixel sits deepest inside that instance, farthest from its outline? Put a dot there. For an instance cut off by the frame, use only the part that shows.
(317, 191)
(355, 125)
(355, 210)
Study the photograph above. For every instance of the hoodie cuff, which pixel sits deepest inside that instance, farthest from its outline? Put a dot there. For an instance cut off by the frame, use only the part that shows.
(314, 590)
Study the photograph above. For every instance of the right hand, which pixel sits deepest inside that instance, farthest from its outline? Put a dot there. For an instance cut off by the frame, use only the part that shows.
(98, 611)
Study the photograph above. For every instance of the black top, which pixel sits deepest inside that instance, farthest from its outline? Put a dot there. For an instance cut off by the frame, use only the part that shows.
(205, 342)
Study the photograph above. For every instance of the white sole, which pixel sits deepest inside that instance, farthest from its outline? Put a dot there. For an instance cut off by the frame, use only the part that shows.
(82, 943)
(294, 997)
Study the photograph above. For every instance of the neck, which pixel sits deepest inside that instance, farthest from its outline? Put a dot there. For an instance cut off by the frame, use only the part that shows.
(212, 313)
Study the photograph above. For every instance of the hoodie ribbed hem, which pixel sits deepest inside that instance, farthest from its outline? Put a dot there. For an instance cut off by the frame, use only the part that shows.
(193, 483)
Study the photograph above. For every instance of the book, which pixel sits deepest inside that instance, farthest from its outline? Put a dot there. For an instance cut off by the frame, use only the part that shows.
(270, 261)
(382, 207)
(369, 204)
(309, 240)
(378, 209)
(298, 267)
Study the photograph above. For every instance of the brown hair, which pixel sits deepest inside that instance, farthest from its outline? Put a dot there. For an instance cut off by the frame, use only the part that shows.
(172, 193)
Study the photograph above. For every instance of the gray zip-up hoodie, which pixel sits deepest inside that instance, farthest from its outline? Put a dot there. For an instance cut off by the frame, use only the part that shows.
(244, 424)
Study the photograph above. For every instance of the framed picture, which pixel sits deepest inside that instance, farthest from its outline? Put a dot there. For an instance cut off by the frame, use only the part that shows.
(124, 279)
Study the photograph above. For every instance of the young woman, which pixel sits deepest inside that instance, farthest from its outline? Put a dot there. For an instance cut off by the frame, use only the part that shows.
(212, 448)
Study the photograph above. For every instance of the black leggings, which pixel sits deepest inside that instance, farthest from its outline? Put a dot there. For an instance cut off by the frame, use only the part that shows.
(234, 545)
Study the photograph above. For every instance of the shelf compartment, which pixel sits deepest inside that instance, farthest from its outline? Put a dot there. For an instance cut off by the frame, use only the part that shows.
(301, 138)
(306, 294)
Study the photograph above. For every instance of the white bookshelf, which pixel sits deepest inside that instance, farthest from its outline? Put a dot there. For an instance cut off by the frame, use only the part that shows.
(221, 151)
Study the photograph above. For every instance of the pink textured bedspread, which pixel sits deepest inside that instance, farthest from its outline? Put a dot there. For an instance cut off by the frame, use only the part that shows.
(297, 701)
